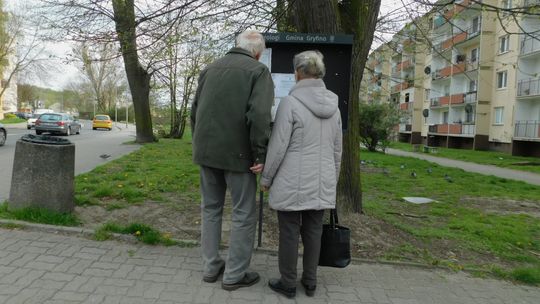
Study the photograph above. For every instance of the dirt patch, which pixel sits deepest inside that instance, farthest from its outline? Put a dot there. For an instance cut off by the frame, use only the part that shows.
(503, 206)
(371, 238)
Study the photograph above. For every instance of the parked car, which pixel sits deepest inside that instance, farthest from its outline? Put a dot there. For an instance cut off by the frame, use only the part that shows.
(58, 123)
(102, 122)
(31, 122)
(3, 135)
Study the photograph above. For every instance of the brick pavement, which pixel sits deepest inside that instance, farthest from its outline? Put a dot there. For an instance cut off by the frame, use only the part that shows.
(47, 268)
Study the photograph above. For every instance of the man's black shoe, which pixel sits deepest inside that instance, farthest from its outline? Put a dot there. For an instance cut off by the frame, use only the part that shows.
(250, 278)
(212, 279)
(310, 289)
(277, 286)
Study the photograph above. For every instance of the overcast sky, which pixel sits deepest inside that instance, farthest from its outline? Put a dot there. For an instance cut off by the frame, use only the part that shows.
(60, 80)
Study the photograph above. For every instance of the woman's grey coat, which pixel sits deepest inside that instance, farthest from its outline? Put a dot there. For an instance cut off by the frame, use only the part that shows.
(304, 154)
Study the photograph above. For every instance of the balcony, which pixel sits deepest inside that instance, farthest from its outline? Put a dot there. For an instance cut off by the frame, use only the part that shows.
(402, 86)
(457, 98)
(531, 3)
(530, 45)
(472, 65)
(450, 99)
(439, 101)
(528, 87)
(405, 128)
(439, 21)
(406, 106)
(527, 129)
(445, 128)
(468, 128)
(449, 70)
(471, 97)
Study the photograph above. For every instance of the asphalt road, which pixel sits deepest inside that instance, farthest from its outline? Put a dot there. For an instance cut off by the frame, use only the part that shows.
(89, 145)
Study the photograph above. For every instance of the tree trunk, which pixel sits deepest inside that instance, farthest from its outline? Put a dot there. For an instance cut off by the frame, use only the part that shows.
(358, 17)
(138, 77)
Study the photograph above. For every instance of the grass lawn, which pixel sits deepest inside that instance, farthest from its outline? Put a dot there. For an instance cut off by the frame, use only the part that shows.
(15, 120)
(481, 157)
(477, 213)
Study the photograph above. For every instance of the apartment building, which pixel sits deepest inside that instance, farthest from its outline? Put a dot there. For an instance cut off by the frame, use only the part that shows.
(467, 77)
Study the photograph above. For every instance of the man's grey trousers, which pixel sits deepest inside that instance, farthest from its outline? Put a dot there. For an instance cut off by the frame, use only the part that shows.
(243, 187)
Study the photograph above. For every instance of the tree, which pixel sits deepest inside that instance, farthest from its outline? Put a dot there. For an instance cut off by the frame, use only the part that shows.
(102, 73)
(376, 124)
(358, 18)
(135, 26)
(20, 50)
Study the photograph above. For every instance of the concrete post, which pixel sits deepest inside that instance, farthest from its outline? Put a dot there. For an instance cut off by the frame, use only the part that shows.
(43, 176)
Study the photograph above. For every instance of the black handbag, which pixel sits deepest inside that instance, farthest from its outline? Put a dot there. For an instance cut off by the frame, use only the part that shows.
(335, 243)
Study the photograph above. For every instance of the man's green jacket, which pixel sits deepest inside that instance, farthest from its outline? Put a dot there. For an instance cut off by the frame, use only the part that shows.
(230, 116)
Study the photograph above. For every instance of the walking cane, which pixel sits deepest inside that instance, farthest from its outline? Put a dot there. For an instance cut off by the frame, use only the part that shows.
(259, 240)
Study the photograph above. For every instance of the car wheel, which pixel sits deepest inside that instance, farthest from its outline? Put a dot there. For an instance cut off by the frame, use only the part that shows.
(3, 137)
(93, 128)
(38, 132)
(78, 131)
(28, 127)
(110, 129)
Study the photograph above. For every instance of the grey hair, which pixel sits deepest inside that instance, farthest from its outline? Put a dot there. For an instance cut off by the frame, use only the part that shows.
(309, 64)
(251, 41)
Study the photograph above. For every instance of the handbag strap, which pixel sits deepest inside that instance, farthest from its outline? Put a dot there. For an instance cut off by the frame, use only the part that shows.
(334, 218)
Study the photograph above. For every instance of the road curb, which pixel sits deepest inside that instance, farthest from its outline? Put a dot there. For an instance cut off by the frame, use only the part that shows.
(89, 233)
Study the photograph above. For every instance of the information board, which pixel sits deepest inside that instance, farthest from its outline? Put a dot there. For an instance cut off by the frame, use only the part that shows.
(337, 50)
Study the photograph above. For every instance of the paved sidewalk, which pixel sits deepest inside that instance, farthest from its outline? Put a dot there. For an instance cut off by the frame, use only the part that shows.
(524, 176)
(46, 268)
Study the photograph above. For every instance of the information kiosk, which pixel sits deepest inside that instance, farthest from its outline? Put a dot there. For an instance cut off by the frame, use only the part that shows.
(337, 50)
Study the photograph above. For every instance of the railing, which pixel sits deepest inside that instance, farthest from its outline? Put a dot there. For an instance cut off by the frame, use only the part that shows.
(472, 65)
(453, 128)
(468, 128)
(530, 44)
(406, 105)
(471, 97)
(528, 87)
(402, 86)
(473, 32)
(527, 129)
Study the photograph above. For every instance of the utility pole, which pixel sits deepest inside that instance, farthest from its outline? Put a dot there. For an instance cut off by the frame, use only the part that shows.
(116, 112)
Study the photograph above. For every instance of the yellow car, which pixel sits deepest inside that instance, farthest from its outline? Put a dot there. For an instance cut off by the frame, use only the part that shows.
(102, 122)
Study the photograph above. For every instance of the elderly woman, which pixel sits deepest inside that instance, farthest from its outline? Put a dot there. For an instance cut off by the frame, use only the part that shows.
(301, 170)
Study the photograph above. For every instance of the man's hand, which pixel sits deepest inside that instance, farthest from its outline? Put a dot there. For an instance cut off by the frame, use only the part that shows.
(257, 168)
(264, 188)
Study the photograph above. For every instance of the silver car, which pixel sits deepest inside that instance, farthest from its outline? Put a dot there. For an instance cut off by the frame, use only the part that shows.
(3, 135)
(57, 123)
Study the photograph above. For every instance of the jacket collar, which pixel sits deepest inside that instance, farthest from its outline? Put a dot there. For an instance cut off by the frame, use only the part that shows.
(309, 83)
(238, 50)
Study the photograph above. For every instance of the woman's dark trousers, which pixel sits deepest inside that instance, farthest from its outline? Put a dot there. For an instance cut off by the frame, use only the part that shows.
(308, 224)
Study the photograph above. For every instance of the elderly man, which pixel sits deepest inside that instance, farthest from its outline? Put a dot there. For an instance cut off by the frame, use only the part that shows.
(230, 120)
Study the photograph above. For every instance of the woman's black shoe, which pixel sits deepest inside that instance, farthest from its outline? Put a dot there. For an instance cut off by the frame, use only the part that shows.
(277, 286)
(310, 289)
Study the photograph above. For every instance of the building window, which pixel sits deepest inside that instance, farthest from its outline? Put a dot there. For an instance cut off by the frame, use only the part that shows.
(476, 25)
(504, 44)
(469, 116)
(474, 55)
(499, 115)
(506, 6)
(472, 86)
(501, 79)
